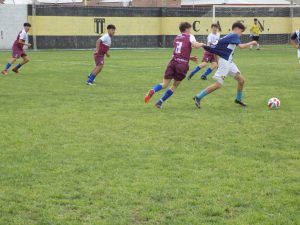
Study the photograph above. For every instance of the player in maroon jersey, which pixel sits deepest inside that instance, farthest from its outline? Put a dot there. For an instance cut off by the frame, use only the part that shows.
(102, 47)
(17, 50)
(179, 64)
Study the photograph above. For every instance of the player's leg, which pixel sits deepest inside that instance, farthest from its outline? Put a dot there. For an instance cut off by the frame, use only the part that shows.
(18, 66)
(169, 75)
(197, 69)
(157, 88)
(168, 94)
(8, 65)
(213, 66)
(240, 87)
(257, 45)
(217, 85)
(223, 70)
(235, 72)
(94, 74)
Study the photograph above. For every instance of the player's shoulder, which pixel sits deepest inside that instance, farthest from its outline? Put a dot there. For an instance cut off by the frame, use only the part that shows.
(192, 38)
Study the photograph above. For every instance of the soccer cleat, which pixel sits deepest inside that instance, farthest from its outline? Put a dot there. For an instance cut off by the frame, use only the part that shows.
(240, 103)
(190, 76)
(197, 102)
(203, 77)
(4, 72)
(158, 104)
(93, 81)
(90, 84)
(15, 70)
(148, 96)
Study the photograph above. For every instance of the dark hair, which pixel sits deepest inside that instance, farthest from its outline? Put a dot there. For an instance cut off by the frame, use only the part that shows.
(111, 27)
(239, 25)
(255, 19)
(183, 26)
(214, 25)
(26, 25)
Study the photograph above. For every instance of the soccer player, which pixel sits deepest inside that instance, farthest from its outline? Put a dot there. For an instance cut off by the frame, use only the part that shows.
(17, 50)
(102, 47)
(225, 49)
(295, 41)
(179, 64)
(208, 57)
(255, 31)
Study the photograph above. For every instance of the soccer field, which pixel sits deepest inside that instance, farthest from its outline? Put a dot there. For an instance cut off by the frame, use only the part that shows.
(75, 154)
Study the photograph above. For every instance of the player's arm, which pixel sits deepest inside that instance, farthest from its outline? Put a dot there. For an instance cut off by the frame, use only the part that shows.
(247, 45)
(23, 42)
(97, 45)
(196, 44)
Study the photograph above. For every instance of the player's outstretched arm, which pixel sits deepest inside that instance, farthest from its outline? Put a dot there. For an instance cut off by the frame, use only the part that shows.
(247, 45)
(196, 44)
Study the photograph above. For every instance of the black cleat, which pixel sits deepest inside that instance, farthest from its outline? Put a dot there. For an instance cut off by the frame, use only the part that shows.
(197, 102)
(240, 103)
(190, 76)
(203, 77)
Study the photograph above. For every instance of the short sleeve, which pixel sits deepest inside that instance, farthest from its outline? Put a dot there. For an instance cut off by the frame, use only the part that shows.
(104, 38)
(23, 36)
(192, 38)
(294, 36)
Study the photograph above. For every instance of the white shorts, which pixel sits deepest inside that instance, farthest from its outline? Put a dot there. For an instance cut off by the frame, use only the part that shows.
(298, 55)
(225, 68)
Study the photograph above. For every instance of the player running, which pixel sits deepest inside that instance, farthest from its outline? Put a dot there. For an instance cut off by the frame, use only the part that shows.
(17, 50)
(255, 32)
(179, 64)
(102, 47)
(208, 57)
(295, 41)
(225, 50)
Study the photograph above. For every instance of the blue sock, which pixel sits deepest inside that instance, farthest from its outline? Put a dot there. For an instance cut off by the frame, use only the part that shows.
(198, 68)
(7, 66)
(91, 78)
(207, 72)
(157, 88)
(167, 95)
(239, 95)
(18, 66)
(202, 94)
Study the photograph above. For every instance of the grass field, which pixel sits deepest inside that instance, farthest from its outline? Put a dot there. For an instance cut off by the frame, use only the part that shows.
(73, 154)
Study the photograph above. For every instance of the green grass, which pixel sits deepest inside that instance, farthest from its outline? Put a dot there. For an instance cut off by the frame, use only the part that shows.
(73, 154)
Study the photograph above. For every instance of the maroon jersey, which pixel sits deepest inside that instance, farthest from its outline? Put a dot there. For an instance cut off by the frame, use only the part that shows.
(104, 45)
(183, 47)
(22, 35)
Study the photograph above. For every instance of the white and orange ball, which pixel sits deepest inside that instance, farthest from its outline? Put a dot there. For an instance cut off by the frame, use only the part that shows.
(274, 103)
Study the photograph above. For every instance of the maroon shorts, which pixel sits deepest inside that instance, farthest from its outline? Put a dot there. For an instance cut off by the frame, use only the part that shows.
(176, 70)
(99, 60)
(209, 57)
(17, 53)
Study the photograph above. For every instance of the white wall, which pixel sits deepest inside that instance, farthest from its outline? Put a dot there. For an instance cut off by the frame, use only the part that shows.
(12, 18)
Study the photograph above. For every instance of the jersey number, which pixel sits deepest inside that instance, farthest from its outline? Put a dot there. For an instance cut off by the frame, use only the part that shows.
(178, 47)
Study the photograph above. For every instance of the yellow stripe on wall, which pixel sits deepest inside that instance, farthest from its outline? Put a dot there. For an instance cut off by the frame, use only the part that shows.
(84, 26)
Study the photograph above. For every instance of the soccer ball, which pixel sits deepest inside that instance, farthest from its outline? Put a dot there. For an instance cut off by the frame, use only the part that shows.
(274, 103)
